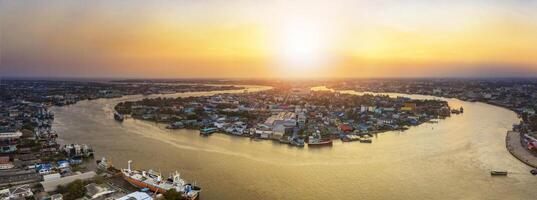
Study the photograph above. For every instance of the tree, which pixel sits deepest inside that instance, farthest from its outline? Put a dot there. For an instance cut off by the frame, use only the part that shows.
(532, 122)
(75, 190)
(28, 126)
(98, 179)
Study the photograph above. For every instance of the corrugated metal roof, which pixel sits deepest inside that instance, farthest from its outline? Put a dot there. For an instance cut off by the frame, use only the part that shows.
(136, 196)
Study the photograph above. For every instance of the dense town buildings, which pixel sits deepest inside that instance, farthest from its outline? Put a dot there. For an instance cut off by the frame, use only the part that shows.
(31, 159)
(289, 114)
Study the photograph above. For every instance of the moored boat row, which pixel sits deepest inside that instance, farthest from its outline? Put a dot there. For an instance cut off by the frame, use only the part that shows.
(351, 138)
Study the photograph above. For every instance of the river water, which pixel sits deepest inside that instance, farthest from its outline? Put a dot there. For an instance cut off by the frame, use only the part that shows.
(450, 159)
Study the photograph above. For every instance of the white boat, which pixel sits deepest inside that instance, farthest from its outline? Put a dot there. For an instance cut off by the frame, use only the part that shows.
(104, 164)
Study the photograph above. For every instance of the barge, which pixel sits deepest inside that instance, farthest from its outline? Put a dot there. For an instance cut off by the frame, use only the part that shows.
(498, 173)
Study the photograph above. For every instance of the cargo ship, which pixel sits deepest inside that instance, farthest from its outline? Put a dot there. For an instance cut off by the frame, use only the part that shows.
(153, 181)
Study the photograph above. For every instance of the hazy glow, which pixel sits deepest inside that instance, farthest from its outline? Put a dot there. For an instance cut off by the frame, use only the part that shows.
(302, 43)
(268, 39)
(302, 47)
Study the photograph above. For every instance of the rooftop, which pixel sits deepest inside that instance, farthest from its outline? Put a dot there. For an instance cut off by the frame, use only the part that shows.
(136, 196)
(10, 134)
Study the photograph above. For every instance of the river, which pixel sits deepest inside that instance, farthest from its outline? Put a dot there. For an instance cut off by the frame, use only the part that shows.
(451, 159)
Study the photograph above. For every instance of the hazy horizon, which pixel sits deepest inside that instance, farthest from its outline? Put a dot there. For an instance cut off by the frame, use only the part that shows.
(278, 39)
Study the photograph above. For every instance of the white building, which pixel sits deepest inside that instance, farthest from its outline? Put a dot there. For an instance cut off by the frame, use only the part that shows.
(279, 122)
(16, 192)
(301, 119)
(363, 109)
(52, 185)
(136, 196)
(9, 141)
(288, 118)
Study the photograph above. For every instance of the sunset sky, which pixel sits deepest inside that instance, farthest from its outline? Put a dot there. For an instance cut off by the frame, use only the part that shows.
(254, 39)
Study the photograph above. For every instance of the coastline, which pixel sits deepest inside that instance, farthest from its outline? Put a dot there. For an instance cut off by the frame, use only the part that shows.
(514, 146)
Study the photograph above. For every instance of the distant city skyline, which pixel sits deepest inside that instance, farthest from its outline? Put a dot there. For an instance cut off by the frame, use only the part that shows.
(276, 39)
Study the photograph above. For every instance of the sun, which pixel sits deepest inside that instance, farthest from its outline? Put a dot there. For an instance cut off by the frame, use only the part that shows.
(301, 43)
(301, 47)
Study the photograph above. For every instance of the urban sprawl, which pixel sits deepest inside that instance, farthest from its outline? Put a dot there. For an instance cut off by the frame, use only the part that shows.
(289, 115)
(34, 165)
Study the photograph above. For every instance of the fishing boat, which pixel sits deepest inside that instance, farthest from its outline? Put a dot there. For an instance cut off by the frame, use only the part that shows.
(498, 173)
(297, 142)
(207, 131)
(153, 181)
(285, 140)
(366, 141)
(314, 142)
(350, 138)
(175, 125)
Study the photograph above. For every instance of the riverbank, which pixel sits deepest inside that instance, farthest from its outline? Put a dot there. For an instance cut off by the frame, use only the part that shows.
(464, 146)
(514, 146)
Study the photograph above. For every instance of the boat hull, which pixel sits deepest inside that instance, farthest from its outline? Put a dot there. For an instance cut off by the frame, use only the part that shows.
(498, 173)
(140, 184)
(152, 188)
(320, 144)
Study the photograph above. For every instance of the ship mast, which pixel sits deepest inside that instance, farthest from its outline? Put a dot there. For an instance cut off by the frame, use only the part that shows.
(129, 165)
